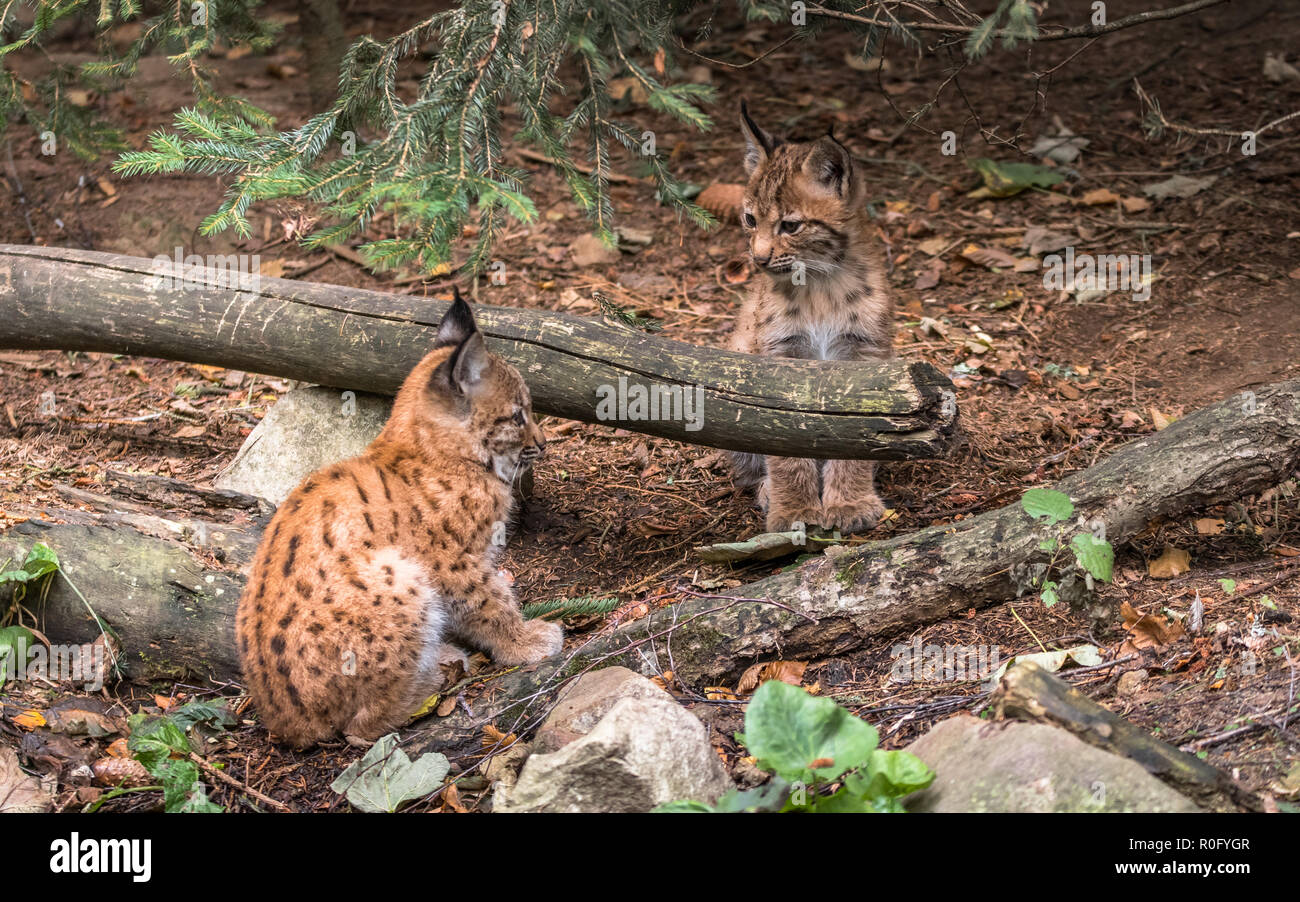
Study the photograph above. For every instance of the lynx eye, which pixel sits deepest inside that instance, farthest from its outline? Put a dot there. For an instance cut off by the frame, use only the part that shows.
(790, 226)
(519, 418)
(748, 220)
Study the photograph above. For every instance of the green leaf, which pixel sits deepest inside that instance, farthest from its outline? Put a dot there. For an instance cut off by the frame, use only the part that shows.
(803, 738)
(41, 560)
(1094, 555)
(1048, 595)
(1047, 504)
(1228, 585)
(14, 641)
(385, 777)
(1008, 179)
(154, 740)
(897, 773)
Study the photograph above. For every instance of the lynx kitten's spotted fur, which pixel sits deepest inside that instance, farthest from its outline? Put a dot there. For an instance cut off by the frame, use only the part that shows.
(373, 564)
(822, 296)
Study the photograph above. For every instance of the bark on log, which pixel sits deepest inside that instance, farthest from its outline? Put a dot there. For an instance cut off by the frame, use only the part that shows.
(56, 298)
(833, 605)
(1027, 692)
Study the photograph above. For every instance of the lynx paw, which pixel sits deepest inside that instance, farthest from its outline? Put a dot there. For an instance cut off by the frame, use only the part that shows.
(541, 640)
(858, 516)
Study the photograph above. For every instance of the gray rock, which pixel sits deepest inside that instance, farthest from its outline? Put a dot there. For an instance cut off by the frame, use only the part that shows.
(586, 700)
(642, 753)
(1015, 766)
(302, 432)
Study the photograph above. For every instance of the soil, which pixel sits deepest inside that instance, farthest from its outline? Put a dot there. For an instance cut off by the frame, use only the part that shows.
(1048, 383)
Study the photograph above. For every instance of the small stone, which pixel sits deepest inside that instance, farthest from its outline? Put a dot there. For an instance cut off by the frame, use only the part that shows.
(1130, 681)
(643, 753)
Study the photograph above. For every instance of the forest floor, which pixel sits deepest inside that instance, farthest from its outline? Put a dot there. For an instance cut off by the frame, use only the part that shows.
(1048, 383)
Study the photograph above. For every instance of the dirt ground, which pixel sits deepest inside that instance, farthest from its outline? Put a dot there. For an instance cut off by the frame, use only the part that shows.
(1048, 383)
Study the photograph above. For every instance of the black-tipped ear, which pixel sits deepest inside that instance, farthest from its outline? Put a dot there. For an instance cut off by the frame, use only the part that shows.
(830, 166)
(463, 372)
(758, 143)
(458, 324)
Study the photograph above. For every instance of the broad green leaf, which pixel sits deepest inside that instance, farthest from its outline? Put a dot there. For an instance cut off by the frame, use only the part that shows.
(1228, 585)
(385, 777)
(1007, 179)
(1048, 595)
(800, 737)
(14, 641)
(154, 740)
(899, 772)
(1094, 555)
(1047, 504)
(41, 560)
(15, 576)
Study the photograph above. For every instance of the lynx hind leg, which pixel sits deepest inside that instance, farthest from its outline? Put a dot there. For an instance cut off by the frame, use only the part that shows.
(849, 500)
(747, 470)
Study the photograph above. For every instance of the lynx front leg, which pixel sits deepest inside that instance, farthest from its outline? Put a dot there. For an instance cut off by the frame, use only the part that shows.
(489, 618)
(791, 492)
(849, 500)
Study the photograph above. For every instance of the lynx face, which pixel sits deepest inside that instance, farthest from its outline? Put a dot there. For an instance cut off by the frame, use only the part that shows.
(802, 202)
(477, 393)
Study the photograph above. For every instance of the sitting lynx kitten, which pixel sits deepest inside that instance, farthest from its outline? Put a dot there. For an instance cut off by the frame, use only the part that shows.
(372, 564)
(822, 297)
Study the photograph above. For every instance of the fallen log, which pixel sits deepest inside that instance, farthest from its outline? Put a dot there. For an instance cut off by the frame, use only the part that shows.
(347, 338)
(828, 606)
(1027, 692)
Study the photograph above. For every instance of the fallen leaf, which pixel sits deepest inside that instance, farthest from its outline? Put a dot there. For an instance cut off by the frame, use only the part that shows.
(20, 792)
(1099, 196)
(1209, 526)
(786, 671)
(1174, 562)
(1149, 630)
(1179, 186)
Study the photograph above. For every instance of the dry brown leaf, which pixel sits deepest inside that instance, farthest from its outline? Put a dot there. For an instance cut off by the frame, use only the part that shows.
(446, 706)
(1149, 630)
(1210, 526)
(1174, 562)
(786, 671)
(1099, 196)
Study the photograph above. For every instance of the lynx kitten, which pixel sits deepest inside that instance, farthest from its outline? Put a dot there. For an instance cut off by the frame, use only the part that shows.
(373, 564)
(822, 296)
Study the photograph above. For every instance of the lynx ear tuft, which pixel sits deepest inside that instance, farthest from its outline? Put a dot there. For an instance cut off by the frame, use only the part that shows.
(458, 324)
(758, 143)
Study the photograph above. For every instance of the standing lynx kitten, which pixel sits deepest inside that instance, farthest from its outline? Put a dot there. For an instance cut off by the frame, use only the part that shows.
(374, 563)
(822, 296)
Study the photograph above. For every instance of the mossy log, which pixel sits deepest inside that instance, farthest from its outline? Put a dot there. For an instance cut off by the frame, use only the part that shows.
(348, 338)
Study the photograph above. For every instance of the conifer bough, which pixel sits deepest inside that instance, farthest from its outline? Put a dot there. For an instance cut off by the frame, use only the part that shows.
(582, 369)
